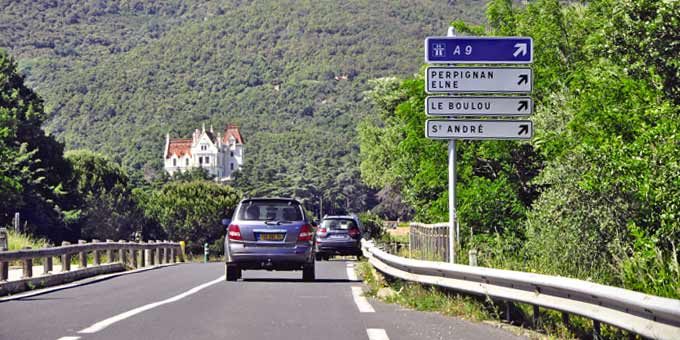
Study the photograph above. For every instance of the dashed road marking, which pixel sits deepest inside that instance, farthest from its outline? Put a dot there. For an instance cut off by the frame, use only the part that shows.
(360, 300)
(122, 316)
(351, 275)
(69, 338)
(377, 334)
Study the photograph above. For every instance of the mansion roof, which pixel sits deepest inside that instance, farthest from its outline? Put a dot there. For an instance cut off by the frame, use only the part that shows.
(179, 147)
(232, 131)
(182, 146)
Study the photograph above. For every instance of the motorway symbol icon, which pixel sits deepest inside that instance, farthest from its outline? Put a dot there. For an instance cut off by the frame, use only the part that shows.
(478, 80)
(478, 106)
(479, 129)
(479, 50)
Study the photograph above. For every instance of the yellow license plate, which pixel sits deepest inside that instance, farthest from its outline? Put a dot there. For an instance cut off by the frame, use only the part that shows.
(271, 237)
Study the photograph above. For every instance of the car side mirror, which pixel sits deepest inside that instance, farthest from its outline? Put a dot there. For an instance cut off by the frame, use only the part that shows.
(226, 221)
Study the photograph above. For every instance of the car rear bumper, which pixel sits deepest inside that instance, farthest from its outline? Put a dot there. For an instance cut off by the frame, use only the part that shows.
(350, 247)
(270, 258)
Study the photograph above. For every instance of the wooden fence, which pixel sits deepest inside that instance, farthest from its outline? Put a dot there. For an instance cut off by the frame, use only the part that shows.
(429, 241)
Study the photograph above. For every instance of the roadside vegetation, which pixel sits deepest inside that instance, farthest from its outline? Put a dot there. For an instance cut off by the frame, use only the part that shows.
(480, 309)
(18, 241)
(595, 194)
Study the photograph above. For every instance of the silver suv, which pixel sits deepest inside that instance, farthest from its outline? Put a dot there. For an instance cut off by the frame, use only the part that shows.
(270, 234)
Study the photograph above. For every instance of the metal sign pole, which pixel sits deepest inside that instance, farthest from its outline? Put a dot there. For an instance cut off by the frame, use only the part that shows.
(452, 200)
(452, 186)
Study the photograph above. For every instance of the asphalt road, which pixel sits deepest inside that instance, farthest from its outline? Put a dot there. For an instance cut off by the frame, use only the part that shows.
(192, 301)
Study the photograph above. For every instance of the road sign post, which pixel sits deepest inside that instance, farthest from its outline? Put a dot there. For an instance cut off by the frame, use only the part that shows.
(452, 80)
(453, 217)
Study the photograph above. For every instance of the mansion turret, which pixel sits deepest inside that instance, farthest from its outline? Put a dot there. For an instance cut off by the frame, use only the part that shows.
(220, 154)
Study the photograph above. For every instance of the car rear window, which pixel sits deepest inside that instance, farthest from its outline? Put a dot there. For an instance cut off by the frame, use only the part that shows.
(270, 211)
(338, 224)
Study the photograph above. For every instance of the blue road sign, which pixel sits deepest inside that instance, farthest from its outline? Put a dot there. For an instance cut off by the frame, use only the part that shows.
(479, 50)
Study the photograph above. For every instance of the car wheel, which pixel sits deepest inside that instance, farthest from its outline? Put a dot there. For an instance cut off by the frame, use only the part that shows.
(232, 272)
(308, 273)
(326, 257)
(318, 257)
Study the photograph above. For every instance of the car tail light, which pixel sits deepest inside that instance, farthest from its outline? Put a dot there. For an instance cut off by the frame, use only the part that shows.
(234, 232)
(306, 233)
(322, 231)
(354, 233)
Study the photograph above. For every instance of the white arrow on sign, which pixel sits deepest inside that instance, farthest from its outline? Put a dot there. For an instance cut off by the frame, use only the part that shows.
(479, 79)
(479, 129)
(478, 106)
(520, 48)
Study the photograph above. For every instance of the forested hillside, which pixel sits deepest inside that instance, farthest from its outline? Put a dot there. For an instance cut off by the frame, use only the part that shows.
(117, 76)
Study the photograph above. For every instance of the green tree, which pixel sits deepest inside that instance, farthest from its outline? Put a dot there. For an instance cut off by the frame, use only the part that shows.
(107, 208)
(33, 171)
(190, 211)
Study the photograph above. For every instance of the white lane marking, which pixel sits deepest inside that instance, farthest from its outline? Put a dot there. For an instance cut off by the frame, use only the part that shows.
(351, 275)
(360, 300)
(377, 334)
(122, 316)
(69, 338)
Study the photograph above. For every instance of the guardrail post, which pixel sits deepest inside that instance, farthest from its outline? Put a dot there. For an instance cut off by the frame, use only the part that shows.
(121, 253)
(166, 252)
(180, 254)
(83, 255)
(159, 254)
(97, 254)
(65, 259)
(4, 271)
(472, 255)
(28, 266)
(150, 255)
(596, 330)
(4, 266)
(4, 245)
(565, 318)
(172, 255)
(142, 255)
(109, 252)
(47, 264)
(133, 257)
(536, 316)
(508, 306)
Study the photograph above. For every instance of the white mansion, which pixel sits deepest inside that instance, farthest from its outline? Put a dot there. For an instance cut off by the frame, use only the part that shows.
(220, 154)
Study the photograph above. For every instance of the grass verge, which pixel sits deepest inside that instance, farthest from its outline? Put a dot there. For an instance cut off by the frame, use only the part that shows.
(18, 241)
(480, 309)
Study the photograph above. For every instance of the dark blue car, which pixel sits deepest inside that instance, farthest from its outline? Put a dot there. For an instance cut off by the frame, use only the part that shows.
(269, 234)
(338, 235)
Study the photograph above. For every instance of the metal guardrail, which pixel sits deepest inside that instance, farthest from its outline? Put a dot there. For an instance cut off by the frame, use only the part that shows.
(122, 252)
(647, 315)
